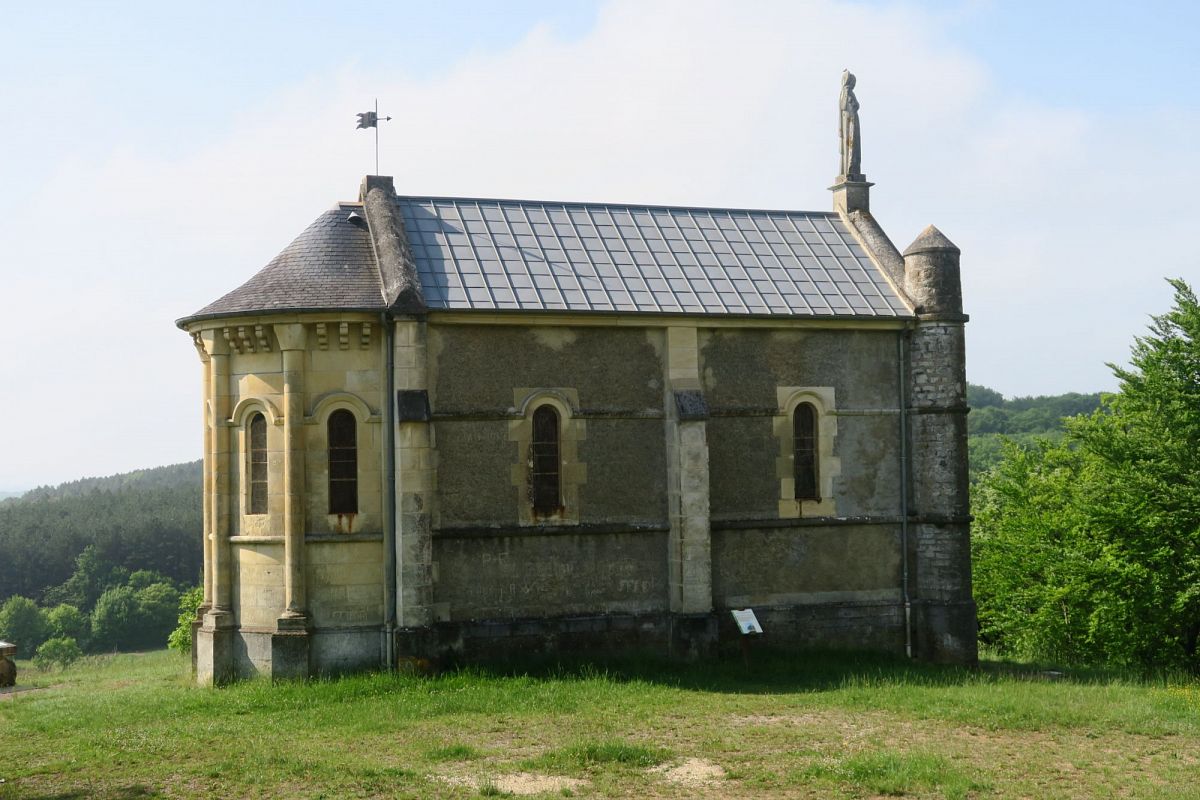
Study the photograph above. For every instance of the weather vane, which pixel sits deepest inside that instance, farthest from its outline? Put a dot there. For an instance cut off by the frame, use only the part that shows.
(370, 119)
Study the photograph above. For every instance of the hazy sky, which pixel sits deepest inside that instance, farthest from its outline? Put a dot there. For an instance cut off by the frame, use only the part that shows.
(156, 155)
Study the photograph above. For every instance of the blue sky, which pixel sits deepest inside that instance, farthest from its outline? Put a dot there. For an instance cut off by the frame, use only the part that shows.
(158, 154)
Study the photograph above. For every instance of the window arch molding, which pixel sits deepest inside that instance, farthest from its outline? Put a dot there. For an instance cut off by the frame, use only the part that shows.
(333, 401)
(255, 520)
(248, 405)
(572, 473)
(828, 467)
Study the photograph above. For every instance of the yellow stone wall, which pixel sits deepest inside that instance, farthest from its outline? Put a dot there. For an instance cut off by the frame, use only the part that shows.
(258, 584)
(345, 581)
(343, 366)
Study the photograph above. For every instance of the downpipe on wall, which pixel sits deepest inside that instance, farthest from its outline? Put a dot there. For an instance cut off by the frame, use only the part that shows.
(901, 359)
(389, 493)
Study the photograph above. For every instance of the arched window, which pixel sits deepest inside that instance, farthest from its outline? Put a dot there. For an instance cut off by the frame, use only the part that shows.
(804, 429)
(258, 465)
(544, 462)
(343, 463)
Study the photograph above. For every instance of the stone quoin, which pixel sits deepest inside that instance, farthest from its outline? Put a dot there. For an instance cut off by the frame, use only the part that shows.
(455, 429)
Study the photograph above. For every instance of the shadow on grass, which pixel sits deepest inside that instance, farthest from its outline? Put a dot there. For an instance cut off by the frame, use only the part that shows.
(776, 671)
(131, 792)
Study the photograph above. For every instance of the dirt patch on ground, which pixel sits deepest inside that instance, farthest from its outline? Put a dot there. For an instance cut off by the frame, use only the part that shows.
(691, 772)
(518, 783)
(10, 692)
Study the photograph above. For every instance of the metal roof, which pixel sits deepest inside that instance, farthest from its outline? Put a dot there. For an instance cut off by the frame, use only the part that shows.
(542, 256)
(479, 254)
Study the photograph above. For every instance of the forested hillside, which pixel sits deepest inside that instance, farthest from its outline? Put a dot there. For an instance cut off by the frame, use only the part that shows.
(65, 543)
(1022, 420)
(172, 476)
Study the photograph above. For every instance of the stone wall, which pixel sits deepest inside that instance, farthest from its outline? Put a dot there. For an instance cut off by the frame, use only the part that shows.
(613, 378)
(562, 574)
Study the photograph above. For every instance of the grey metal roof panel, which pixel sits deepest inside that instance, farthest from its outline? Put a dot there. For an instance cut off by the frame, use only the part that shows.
(330, 266)
(475, 254)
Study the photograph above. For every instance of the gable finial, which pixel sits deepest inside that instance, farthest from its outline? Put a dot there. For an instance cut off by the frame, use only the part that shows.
(849, 131)
(851, 191)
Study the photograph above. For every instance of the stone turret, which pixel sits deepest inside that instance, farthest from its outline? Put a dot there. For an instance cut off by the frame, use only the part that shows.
(931, 274)
(940, 549)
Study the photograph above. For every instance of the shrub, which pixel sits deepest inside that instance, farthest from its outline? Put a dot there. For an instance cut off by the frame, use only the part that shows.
(189, 602)
(60, 652)
(23, 623)
(68, 622)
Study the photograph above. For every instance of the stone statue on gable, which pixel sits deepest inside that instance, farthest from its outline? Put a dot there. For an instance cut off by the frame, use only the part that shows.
(849, 132)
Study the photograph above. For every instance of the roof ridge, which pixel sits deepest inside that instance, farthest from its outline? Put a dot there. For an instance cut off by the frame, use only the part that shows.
(646, 206)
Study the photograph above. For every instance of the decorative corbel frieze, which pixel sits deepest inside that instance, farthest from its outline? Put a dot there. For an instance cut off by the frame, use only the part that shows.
(198, 343)
(365, 339)
(244, 336)
(264, 343)
(343, 335)
(322, 336)
(232, 340)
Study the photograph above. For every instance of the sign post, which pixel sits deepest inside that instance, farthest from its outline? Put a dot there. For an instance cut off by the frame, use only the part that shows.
(749, 627)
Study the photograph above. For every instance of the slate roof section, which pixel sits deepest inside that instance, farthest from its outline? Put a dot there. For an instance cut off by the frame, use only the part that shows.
(330, 266)
(533, 256)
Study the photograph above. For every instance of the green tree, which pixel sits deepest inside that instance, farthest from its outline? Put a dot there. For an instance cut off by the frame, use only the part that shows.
(1089, 550)
(128, 618)
(60, 652)
(23, 623)
(68, 622)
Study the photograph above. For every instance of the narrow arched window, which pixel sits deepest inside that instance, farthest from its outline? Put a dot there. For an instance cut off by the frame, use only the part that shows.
(804, 429)
(258, 465)
(544, 462)
(343, 463)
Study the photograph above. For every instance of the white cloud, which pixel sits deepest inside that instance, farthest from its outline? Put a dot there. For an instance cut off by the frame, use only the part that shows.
(1067, 221)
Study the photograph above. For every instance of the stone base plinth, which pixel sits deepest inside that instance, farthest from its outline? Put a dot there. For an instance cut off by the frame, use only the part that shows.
(213, 651)
(945, 633)
(663, 634)
(851, 194)
(290, 648)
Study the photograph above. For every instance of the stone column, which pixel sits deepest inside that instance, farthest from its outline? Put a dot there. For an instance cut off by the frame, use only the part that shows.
(214, 639)
(415, 478)
(289, 644)
(689, 555)
(206, 542)
(206, 481)
(940, 538)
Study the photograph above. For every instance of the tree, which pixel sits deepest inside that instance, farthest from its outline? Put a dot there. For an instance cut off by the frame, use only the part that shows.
(126, 618)
(1089, 550)
(23, 623)
(60, 652)
(115, 619)
(68, 622)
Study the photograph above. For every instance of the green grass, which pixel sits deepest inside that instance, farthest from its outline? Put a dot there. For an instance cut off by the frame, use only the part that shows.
(592, 754)
(453, 752)
(897, 774)
(793, 725)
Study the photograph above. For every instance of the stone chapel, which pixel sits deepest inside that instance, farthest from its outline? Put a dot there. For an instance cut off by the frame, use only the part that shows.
(465, 428)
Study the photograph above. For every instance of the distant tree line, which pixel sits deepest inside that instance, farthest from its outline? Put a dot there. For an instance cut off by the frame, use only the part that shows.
(995, 422)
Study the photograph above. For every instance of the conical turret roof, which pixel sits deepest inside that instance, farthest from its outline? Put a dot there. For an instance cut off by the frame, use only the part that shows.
(328, 267)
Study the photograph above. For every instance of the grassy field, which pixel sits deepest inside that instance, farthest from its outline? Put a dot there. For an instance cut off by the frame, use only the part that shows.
(791, 726)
